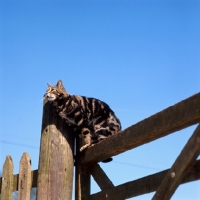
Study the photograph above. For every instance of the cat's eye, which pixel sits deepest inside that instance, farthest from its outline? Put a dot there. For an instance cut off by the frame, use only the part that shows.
(54, 90)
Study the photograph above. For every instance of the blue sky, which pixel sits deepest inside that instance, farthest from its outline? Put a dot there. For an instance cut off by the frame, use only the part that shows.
(138, 56)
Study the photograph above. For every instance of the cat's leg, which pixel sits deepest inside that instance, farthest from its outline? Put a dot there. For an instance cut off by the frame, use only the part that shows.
(86, 138)
(102, 133)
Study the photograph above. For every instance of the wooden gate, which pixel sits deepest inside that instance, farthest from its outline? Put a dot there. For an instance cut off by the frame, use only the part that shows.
(53, 178)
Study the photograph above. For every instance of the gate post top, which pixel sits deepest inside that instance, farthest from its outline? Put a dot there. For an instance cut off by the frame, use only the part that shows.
(56, 162)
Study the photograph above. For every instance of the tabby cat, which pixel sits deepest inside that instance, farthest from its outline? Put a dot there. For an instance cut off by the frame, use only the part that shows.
(93, 117)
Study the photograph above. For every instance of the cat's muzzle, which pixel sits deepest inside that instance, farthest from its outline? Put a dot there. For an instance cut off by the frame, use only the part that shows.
(50, 97)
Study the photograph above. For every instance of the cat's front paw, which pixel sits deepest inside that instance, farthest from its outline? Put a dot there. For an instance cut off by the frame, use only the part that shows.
(84, 147)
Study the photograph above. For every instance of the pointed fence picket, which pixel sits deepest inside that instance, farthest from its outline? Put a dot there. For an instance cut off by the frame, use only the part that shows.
(7, 180)
(21, 182)
(24, 182)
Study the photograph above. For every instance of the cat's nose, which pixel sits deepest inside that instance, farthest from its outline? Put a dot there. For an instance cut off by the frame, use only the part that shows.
(46, 95)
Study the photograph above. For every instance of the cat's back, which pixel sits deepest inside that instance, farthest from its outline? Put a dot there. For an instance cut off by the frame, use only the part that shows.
(92, 105)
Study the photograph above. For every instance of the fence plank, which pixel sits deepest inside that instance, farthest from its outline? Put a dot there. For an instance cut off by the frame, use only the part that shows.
(24, 182)
(174, 176)
(100, 177)
(34, 177)
(7, 179)
(146, 184)
(56, 162)
(174, 118)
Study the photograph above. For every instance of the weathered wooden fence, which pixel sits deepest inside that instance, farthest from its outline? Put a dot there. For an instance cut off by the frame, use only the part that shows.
(23, 182)
(53, 178)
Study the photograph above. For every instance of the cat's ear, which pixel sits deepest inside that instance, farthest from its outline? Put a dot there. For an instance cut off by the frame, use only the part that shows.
(59, 84)
(49, 85)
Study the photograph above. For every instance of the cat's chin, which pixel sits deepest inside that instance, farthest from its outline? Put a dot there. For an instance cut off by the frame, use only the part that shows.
(50, 99)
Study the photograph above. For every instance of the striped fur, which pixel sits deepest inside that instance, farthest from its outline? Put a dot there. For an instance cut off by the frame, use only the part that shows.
(93, 117)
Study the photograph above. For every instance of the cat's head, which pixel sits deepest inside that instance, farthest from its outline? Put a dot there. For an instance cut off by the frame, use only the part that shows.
(55, 92)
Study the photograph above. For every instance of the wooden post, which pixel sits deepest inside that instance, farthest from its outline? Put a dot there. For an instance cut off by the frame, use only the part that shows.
(82, 190)
(56, 162)
(82, 177)
(7, 179)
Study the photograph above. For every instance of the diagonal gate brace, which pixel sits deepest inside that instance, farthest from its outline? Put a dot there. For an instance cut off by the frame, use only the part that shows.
(100, 177)
(174, 176)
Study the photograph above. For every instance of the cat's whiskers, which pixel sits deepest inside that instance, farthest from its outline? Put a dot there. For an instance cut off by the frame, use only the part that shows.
(41, 100)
